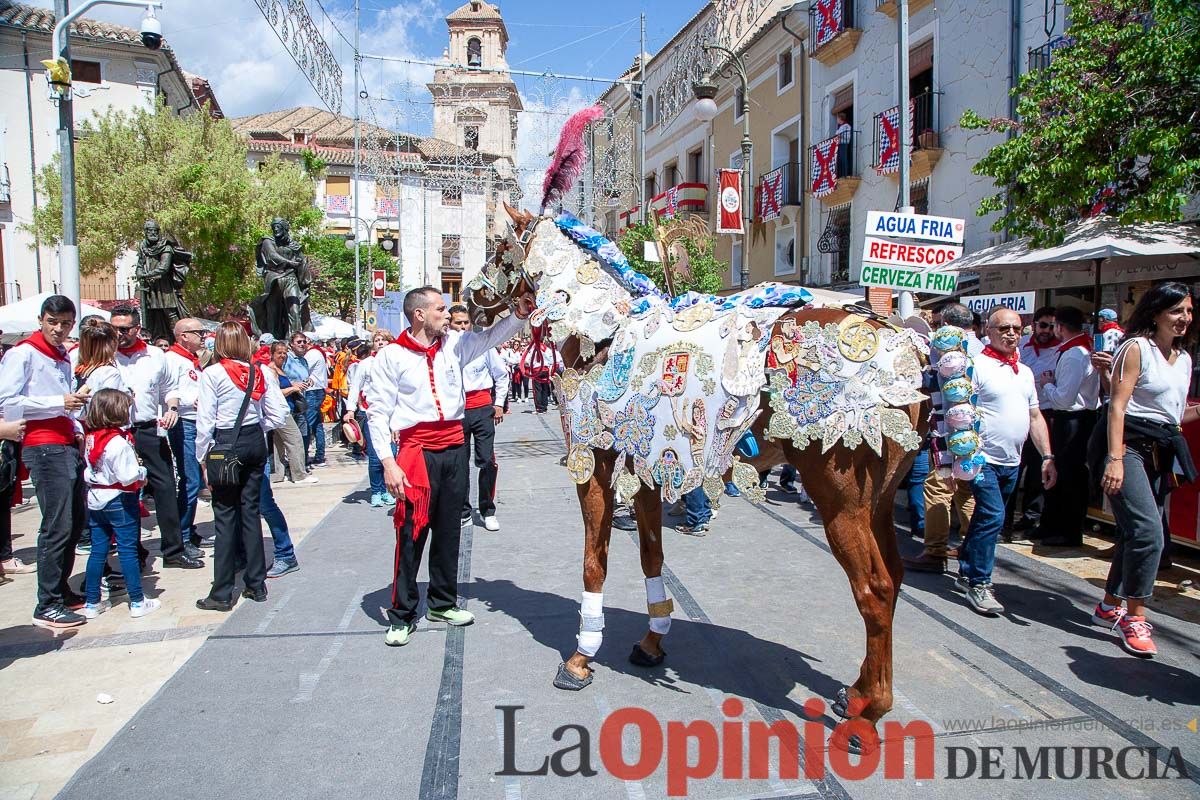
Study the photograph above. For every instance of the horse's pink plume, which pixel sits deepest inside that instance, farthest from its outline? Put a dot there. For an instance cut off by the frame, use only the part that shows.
(569, 156)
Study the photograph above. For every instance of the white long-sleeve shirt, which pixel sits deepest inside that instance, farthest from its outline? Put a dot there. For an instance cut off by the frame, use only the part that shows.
(318, 369)
(1076, 384)
(186, 376)
(118, 464)
(358, 377)
(36, 384)
(400, 394)
(105, 376)
(485, 372)
(1040, 360)
(151, 380)
(219, 402)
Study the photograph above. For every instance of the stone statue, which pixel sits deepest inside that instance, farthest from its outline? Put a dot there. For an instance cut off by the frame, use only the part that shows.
(161, 269)
(282, 309)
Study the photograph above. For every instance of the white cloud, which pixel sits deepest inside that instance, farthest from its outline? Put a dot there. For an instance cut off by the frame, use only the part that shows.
(547, 108)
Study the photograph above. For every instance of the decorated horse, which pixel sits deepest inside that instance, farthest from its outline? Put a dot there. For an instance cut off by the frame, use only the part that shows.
(663, 395)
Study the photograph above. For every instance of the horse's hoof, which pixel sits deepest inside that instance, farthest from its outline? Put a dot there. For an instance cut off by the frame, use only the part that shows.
(565, 680)
(841, 705)
(641, 658)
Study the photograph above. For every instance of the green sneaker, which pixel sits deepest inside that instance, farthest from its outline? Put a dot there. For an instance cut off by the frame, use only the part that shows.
(397, 635)
(451, 616)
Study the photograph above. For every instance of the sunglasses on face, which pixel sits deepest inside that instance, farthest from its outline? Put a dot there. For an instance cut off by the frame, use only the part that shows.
(126, 328)
(197, 332)
(1007, 328)
(1045, 325)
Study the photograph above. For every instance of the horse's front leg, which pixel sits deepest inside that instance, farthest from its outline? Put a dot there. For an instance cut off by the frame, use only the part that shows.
(596, 503)
(648, 507)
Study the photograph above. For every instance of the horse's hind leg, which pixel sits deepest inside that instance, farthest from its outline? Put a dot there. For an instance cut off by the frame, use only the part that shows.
(596, 503)
(647, 505)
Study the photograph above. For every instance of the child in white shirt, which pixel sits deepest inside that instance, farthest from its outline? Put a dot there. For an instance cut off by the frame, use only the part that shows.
(114, 478)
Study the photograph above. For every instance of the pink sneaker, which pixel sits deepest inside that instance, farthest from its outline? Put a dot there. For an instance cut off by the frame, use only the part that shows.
(1107, 619)
(1135, 636)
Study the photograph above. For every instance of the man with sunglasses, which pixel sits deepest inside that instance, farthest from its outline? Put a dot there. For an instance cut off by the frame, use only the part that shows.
(150, 378)
(1039, 352)
(1008, 408)
(183, 361)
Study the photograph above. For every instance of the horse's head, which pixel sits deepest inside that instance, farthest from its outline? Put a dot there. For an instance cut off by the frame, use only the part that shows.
(501, 282)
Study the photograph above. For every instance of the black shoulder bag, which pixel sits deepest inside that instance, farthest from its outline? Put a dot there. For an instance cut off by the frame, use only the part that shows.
(222, 463)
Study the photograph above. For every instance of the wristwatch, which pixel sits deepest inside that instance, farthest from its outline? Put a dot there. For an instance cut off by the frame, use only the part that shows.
(1046, 458)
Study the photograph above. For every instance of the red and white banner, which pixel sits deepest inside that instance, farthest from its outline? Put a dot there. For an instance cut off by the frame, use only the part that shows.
(378, 284)
(730, 201)
(824, 167)
(771, 195)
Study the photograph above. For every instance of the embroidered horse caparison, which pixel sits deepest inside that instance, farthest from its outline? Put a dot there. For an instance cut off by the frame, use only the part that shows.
(658, 392)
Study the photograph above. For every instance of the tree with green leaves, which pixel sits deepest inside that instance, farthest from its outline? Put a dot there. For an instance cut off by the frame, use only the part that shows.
(706, 268)
(333, 271)
(190, 174)
(1112, 123)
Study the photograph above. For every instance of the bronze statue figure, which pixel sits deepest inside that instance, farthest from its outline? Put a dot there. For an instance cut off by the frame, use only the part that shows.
(282, 309)
(161, 269)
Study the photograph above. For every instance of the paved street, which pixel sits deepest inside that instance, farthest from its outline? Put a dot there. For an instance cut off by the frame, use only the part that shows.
(299, 698)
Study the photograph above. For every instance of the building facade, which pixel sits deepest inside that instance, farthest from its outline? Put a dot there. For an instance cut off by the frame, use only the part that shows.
(111, 70)
(804, 68)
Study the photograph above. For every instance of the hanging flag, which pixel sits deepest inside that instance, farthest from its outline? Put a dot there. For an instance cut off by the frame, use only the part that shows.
(771, 195)
(887, 139)
(730, 221)
(672, 202)
(824, 167)
(830, 21)
(378, 284)
(387, 207)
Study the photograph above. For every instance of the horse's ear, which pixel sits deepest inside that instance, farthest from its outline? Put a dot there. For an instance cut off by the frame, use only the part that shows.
(513, 214)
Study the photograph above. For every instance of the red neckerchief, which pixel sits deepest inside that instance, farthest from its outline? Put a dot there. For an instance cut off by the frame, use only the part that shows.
(180, 350)
(97, 440)
(137, 347)
(237, 372)
(38, 342)
(406, 340)
(1037, 351)
(1107, 326)
(1010, 359)
(1081, 340)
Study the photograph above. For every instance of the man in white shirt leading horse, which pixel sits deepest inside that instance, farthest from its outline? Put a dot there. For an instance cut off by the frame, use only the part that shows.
(416, 399)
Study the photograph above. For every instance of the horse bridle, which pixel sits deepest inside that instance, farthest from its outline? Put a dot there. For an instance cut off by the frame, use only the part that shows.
(503, 298)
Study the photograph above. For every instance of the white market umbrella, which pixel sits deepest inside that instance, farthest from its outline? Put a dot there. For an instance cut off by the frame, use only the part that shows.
(21, 317)
(1092, 244)
(327, 327)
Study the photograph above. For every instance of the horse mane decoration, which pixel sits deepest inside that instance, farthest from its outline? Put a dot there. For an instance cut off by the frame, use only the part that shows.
(569, 156)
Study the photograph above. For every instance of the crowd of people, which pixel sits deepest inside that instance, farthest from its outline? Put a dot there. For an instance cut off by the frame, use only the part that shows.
(1066, 415)
(1063, 412)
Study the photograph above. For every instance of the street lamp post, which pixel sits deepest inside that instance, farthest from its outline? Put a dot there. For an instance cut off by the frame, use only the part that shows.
(352, 244)
(706, 109)
(60, 67)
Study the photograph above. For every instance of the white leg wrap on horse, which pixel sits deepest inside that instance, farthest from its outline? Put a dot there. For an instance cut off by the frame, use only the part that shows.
(591, 623)
(658, 605)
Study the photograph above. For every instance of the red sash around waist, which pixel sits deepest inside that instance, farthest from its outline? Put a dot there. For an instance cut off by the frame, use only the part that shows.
(414, 442)
(478, 398)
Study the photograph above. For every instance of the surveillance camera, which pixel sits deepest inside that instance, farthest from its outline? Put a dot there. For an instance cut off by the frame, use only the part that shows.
(152, 36)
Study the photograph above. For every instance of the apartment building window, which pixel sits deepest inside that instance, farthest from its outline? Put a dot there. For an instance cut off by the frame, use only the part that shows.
(672, 175)
(739, 104)
(918, 195)
(85, 71)
(452, 285)
(695, 167)
(785, 70)
(452, 252)
(651, 188)
(842, 108)
(838, 230)
(452, 196)
(649, 110)
(337, 193)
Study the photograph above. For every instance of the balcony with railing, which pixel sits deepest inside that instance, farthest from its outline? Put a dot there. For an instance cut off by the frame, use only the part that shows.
(833, 169)
(105, 289)
(890, 7)
(1040, 57)
(925, 139)
(683, 198)
(778, 190)
(834, 32)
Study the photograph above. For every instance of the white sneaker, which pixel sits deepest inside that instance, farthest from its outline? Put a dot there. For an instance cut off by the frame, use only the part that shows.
(311, 479)
(491, 523)
(15, 566)
(93, 610)
(145, 607)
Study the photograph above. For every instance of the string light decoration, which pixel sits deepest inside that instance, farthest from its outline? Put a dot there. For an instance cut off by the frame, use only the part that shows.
(302, 37)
